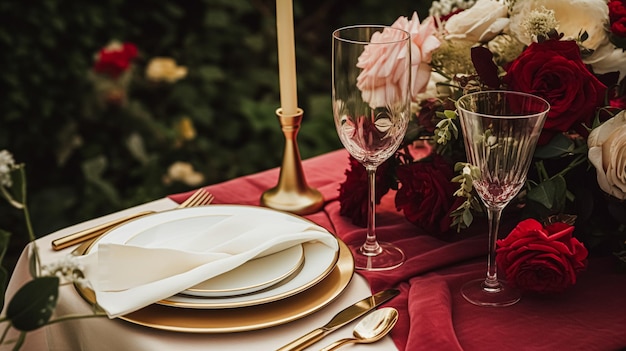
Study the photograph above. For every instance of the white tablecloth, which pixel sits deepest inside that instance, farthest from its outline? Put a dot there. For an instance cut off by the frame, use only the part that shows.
(95, 334)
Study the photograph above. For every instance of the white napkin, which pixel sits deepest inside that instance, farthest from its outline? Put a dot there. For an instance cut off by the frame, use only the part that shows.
(126, 278)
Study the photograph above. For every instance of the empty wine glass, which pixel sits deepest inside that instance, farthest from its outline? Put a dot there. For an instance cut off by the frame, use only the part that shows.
(371, 104)
(500, 130)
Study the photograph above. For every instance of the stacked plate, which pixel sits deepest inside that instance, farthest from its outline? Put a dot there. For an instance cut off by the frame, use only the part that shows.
(263, 292)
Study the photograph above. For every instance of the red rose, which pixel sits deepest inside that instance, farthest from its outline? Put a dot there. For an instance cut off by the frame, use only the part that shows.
(541, 259)
(115, 59)
(618, 28)
(617, 10)
(554, 70)
(353, 192)
(426, 193)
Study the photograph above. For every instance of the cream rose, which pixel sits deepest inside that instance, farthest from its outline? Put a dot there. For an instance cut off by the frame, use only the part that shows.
(607, 152)
(480, 23)
(165, 69)
(573, 17)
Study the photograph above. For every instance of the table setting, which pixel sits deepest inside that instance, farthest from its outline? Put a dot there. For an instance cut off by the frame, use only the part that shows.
(329, 251)
(432, 312)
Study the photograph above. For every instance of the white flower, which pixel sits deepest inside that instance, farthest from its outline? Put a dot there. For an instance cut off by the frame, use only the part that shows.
(573, 17)
(540, 23)
(165, 69)
(480, 23)
(68, 270)
(607, 58)
(183, 172)
(7, 164)
(607, 152)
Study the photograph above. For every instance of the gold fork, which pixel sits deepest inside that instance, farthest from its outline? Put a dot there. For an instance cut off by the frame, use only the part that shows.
(199, 198)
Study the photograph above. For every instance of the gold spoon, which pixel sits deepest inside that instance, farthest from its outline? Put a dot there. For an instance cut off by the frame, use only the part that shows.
(370, 329)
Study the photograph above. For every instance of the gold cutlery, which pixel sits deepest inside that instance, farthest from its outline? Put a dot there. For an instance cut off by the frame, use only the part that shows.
(342, 318)
(199, 198)
(370, 329)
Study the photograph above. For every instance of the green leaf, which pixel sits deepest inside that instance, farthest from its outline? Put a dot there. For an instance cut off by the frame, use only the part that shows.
(32, 305)
(449, 114)
(4, 243)
(468, 217)
(550, 193)
(559, 146)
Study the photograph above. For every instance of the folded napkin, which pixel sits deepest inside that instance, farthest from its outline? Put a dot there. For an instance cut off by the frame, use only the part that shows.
(126, 278)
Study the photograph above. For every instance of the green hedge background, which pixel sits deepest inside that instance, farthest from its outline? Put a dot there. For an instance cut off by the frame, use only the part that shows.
(78, 155)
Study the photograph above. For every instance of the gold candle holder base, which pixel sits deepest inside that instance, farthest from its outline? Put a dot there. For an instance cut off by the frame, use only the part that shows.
(292, 194)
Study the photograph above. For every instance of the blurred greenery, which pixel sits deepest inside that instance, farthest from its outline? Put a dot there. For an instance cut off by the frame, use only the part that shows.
(84, 160)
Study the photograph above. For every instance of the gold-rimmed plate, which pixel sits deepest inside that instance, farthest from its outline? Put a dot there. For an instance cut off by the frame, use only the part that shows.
(245, 318)
(168, 227)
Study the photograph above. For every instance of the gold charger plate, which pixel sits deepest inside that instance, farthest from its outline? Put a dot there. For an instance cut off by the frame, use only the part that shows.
(245, 318)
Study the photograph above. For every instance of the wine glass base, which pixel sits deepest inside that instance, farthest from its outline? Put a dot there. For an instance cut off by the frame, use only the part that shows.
(390, 257)
(479, 294)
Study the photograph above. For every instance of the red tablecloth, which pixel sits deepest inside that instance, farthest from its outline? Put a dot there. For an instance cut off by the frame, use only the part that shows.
(433, 314)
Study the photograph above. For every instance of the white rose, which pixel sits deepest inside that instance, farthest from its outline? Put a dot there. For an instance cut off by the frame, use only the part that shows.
(480, 23)
(608, 58)
(165, 69)
(573, 17)
(607, 152)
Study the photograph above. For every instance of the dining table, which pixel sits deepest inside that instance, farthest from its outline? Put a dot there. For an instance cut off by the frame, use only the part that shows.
(433, 315)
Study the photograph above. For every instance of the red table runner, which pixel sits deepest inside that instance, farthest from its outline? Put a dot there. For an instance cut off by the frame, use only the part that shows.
(433, 314)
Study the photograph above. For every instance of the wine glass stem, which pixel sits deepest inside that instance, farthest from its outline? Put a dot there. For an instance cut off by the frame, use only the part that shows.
(493, 215)
(371, 246)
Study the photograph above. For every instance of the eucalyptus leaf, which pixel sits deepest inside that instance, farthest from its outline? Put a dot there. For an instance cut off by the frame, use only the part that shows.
(32, 305)
(468, 218)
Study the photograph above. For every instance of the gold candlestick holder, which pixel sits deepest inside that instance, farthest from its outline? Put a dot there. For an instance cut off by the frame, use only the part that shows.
(292, 194)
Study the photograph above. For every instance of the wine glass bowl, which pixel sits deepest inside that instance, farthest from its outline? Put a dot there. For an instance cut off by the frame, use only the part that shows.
(371, 106)
(500, 130)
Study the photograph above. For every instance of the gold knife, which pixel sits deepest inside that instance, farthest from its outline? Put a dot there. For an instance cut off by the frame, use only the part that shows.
(342, 318)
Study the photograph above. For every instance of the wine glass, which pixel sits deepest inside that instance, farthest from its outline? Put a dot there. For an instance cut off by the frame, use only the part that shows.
(371, 76)
(500, 130)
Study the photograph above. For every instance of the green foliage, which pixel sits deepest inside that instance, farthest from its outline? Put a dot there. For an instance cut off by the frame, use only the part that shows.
(33, 304)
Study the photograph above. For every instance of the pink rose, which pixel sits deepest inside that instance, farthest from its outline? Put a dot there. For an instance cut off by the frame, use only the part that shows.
(541, 259)
(383, 80)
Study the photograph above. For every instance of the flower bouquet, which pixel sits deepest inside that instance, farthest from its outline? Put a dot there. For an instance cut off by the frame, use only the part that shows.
(572, 54)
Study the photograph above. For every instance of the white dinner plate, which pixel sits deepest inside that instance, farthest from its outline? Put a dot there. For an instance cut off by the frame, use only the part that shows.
(252, 276)
(169, 226)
